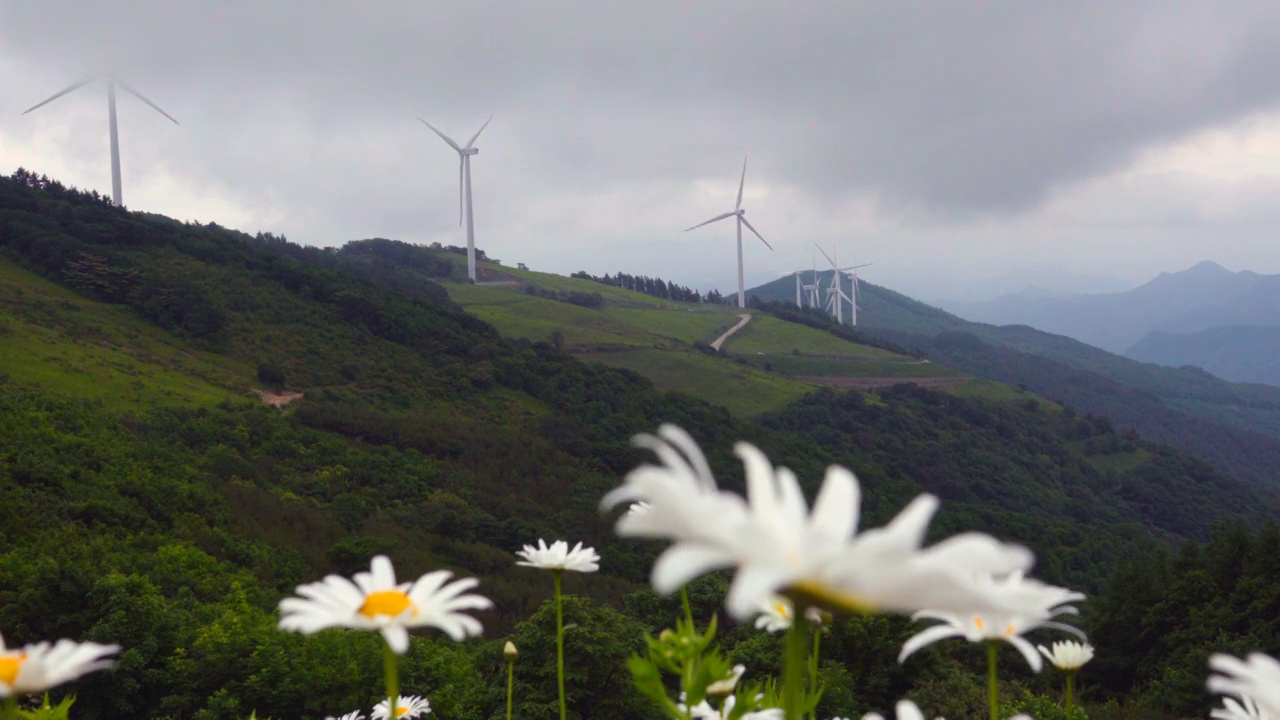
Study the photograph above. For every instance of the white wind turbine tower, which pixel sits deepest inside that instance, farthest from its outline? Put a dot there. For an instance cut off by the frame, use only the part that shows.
(740, 214)
(112, 81)
(815, 288)
(853, 316)
(836, 292)
(464, 188)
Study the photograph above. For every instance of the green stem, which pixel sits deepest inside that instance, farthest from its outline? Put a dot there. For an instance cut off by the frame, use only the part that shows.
(813, 667)
(1071, 688)
(392, 679)
(688, 609)
(511, 679)
(993, 691)
(560, 642)
(793, 666)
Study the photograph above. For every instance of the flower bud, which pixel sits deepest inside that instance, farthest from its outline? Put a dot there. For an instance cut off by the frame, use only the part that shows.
(509, 651)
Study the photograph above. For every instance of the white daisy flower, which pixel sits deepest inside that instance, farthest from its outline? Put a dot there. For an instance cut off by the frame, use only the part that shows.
(407, 706)
(38, 667)
(355, 715)
(1037, 601)
(775, 614)
(375, 602)
(1256, 678)
(1068, 655)
(777, 545)
(1246, 709)
(726, 685)
(559, 557)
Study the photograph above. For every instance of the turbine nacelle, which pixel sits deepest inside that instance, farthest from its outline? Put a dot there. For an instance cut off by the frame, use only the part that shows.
(469, 151)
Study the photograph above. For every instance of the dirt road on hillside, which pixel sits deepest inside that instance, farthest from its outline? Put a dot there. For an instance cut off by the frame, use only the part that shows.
(746, 318)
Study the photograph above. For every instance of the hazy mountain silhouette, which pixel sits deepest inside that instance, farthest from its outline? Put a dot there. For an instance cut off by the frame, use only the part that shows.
(1203, 296)
(1242, 353)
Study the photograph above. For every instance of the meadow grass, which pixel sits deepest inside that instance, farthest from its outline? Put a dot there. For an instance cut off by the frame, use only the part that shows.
(744, 390)
(52, 337)
(770, 335)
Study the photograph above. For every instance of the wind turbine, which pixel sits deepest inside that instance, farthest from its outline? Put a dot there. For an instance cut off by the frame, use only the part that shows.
(112, 81)
(853, 316)
(835, 292)
(464, 188)
(740, 214)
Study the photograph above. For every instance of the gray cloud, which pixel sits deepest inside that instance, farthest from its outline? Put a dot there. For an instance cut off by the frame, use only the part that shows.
(941, 112)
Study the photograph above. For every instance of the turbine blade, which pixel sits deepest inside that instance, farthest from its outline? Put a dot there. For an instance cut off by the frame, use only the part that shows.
(70, 88)
(461, 187)
(741, 184)
(825, 255)
(475, 137)
(743, 218)
(444, 137)
(714, 219)
(143, 98)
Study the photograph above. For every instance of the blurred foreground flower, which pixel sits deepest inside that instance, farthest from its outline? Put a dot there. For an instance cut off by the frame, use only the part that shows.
(375, 602)
(907, 710)
(1037, 602)
(704, 711)
(1246, 709)
(777, 545)
(1255, 679)
(407, 706)
(559, 557)
(41, 666)
(354, 715)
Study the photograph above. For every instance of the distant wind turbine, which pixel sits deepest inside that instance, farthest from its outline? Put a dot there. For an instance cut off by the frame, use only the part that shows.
(836, 291)
(112, 81)
(464, 188)
(740, 214)
(854, 316)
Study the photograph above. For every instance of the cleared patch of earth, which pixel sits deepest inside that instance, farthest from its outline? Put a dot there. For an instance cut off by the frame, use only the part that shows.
(277, 399)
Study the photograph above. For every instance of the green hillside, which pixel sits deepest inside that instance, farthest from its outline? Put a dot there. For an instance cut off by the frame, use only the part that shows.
(149, 497)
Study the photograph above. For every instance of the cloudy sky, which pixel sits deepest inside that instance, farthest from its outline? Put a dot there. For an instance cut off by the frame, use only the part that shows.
(966, 147)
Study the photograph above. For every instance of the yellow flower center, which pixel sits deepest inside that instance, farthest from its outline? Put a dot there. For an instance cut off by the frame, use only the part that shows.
(386, 602)
(977, 622)
(401, 711)
(781, 609)
(9, 667)
(1011, 630)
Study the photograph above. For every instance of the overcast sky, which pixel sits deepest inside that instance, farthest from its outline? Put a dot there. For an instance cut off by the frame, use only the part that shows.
(966, 147)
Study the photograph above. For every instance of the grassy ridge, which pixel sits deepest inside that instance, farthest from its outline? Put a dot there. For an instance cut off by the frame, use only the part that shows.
(57, 339)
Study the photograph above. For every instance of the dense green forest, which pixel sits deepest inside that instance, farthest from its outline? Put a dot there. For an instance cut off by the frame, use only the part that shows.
(174, 527)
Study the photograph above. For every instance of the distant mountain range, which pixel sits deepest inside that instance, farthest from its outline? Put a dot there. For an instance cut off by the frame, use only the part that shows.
(1199, 298)
(1242, 353)
(1234, 426)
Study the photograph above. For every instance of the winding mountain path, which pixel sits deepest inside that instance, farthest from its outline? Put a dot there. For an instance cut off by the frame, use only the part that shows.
(746, 318)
